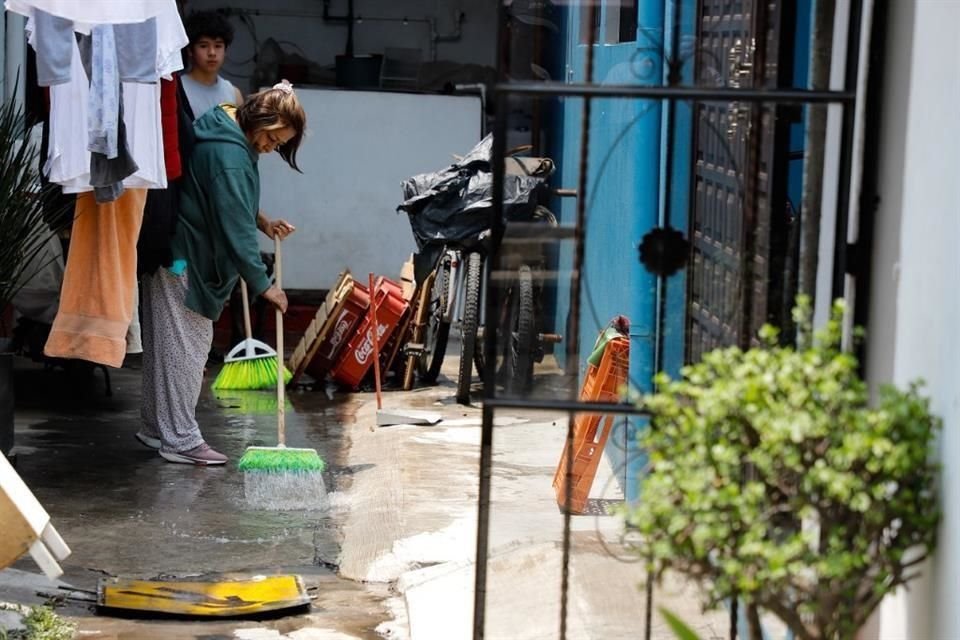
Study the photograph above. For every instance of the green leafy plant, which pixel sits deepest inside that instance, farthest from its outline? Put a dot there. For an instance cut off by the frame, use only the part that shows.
(774, 480)
(23, 205)
(39, 623)
(43, 623)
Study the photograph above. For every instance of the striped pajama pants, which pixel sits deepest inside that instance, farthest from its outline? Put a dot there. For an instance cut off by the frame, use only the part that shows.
(176, 342)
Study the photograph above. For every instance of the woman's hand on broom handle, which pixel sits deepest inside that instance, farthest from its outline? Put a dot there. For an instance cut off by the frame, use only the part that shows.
(277, 297)
(272, 228)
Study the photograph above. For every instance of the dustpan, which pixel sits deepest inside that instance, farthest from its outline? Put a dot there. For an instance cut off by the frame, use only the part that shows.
(389, 417)
(196, 597)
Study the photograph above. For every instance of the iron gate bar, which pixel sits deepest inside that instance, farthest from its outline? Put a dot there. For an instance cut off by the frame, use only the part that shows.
(489, 346)
(568, 406)
(701, 94)
(573, 339)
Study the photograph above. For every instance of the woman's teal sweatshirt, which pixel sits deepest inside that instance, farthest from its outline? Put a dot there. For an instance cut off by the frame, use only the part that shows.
(217, 230)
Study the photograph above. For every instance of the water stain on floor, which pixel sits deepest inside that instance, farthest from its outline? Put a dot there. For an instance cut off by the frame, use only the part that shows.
(125, 511)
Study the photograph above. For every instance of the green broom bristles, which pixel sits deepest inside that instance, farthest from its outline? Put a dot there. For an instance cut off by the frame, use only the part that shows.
(250, 373)
(281, 460)
(281, 479)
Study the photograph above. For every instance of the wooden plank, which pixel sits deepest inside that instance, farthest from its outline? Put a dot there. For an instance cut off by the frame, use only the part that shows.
(17, 536)
(321, 325)
(22, 517)
(407, 281)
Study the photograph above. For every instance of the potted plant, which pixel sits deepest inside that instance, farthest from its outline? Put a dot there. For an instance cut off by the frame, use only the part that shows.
(776, 482)
(24, 233)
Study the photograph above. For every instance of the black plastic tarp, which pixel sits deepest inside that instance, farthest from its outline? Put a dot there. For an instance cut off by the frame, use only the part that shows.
(453, 205)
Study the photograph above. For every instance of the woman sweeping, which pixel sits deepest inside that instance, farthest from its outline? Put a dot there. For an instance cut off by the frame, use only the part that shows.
(215, 243)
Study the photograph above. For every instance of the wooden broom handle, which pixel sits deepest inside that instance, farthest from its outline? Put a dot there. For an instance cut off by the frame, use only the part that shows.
(375, 335)
(248, 332)
(281, 384)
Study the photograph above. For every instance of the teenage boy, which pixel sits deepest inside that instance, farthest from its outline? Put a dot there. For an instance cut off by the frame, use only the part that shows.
(210, 34)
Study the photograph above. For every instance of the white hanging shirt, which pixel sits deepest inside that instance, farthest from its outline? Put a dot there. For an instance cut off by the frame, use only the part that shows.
(93, 11)
(68, 159)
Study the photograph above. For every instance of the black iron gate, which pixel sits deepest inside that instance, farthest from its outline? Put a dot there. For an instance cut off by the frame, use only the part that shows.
(739, 219)
(738, 223)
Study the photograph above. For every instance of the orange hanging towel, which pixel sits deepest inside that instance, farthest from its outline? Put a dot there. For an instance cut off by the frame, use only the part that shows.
(97, 298)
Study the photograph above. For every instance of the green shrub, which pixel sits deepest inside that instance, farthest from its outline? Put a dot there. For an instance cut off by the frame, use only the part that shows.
(39, 622)
(775, 481)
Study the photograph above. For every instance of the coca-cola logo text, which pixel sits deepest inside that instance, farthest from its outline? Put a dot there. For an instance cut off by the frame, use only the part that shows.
(343, 325)
(365, 348)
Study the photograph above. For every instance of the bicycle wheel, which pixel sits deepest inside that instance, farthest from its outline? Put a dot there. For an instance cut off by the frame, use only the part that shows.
(522, 329)
(468, 326)
(437, 331)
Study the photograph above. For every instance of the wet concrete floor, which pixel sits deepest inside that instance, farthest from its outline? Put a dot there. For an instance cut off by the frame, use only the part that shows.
(125, 511)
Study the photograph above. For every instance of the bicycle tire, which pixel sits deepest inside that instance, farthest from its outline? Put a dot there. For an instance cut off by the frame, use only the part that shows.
(437, 332)
(478, 361)
(468, 326)
(522, 329)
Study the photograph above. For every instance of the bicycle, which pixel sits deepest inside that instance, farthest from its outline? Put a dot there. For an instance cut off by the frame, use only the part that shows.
(449, 213)
(522, 343)
(455, 300)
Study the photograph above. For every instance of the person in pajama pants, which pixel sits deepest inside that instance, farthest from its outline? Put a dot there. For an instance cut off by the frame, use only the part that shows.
(215, 244)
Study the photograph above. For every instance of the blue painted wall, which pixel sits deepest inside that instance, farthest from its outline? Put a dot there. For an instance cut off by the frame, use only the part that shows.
(623, 203)
(639, 177)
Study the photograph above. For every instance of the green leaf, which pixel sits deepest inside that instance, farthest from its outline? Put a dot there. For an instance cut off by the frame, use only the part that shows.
(680, 630)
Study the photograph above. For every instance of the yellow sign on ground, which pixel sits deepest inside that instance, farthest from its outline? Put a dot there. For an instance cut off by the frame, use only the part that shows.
(250, 596)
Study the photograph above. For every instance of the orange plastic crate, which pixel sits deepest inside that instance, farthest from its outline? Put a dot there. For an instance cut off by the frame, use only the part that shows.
(591, 431)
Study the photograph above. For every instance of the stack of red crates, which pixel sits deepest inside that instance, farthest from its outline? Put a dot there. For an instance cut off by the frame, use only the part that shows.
(354, 309)
(355, 359)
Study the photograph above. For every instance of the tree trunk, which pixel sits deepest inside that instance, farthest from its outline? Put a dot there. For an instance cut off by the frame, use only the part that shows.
(754, 630)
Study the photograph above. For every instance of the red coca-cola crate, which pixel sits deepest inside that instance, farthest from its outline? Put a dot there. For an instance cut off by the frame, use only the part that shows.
(354, 309)
(355, 360)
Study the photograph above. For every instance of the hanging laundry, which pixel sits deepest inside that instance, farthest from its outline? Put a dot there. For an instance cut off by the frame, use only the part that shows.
(104, 97)
(110, 160)
(97, 306)
(134, 337)
(68, 161)
(138, 59)
(91, 12)
(133, 51)
(97, 300)
(54, 48)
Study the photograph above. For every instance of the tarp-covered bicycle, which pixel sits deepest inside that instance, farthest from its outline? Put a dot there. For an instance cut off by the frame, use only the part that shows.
(449, 213)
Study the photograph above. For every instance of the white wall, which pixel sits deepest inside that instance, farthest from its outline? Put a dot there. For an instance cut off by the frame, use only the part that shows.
(320, 41)
(360, 146)
(915, 306)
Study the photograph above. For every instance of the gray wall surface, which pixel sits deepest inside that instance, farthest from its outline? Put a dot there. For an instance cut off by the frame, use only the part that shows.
(299, 27)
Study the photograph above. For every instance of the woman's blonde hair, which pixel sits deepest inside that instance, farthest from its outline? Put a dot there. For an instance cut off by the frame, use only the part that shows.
(275, 108)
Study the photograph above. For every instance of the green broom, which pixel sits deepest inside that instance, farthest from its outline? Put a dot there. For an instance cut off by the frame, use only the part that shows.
(251, 364)
(278, 477)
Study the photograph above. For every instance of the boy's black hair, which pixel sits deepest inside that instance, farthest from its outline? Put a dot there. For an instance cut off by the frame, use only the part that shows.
(209, 24)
